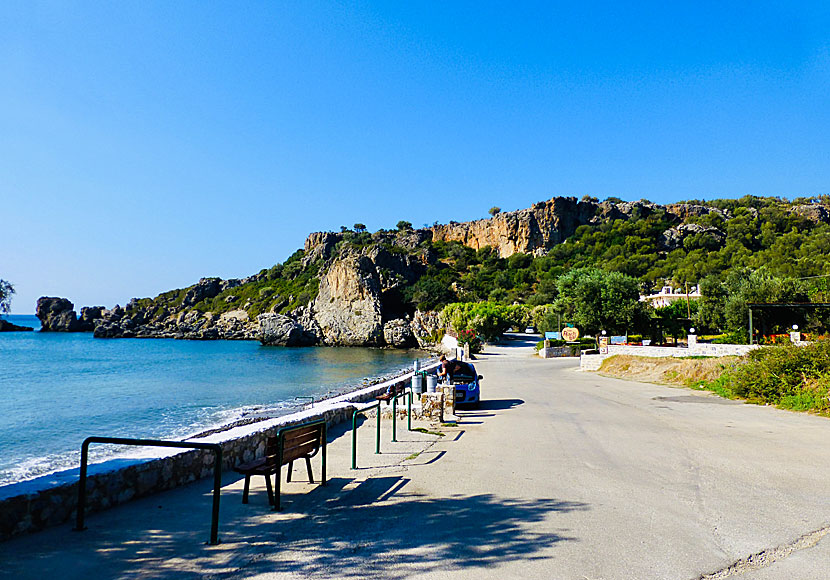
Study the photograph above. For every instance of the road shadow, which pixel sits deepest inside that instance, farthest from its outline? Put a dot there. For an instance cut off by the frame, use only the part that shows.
(359, 532)
(499, 404)
(348, 529)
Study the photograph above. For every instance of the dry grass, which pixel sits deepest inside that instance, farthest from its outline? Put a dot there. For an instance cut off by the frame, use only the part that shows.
(671, 371)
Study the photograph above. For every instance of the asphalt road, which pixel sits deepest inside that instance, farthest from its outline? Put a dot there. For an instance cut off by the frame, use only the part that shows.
(560, 474)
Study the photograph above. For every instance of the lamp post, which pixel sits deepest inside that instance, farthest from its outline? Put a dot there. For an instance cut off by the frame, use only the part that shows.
(795, 336)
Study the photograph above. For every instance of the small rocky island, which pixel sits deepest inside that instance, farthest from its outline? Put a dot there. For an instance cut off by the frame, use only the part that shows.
(6, 326)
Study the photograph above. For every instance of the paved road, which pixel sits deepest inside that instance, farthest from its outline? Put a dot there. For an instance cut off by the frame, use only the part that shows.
(560, 474)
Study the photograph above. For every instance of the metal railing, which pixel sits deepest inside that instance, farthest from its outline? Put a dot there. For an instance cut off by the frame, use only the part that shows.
(354, 431)
(217, 474)
(407, 391)
(305, 398)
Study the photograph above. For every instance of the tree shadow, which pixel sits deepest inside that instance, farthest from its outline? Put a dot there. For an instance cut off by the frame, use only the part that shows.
(357, 533)
(349, 529)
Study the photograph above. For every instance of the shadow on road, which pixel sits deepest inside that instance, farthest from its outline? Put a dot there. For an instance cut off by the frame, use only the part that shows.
(343, 530)
(499, 404)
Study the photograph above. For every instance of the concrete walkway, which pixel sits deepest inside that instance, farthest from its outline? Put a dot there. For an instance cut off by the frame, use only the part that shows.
(560, 474)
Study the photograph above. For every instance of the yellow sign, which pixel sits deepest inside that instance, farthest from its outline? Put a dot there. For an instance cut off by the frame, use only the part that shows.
(570, 333)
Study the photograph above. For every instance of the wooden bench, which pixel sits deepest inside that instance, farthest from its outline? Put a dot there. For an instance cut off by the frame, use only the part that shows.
(290, 443)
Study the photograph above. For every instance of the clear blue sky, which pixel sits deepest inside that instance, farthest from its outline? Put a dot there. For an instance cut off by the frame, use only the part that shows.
(146, 144)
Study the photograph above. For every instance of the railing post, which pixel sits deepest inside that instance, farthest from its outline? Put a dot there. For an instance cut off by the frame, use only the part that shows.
(217, 487)
(409, 411)
(79, 516)
(217, 474)
(394, 418)
(354, 438)
(377, 434)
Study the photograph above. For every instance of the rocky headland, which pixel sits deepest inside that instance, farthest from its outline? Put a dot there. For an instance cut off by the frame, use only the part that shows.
(355, 288)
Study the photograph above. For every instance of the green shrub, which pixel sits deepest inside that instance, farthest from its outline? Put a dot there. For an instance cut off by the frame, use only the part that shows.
(790, 377)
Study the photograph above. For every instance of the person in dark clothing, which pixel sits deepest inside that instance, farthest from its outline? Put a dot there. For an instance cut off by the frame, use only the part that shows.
(450, 368)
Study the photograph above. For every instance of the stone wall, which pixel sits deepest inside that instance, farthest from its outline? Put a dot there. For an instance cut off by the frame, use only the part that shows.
(592, 362)
(32, 506)
(556, 351)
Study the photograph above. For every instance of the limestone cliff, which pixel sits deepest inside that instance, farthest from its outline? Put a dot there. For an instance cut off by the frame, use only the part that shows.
(348, 306)
(532, 231)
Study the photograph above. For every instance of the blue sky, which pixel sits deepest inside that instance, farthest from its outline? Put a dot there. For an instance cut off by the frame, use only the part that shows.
(146, 144)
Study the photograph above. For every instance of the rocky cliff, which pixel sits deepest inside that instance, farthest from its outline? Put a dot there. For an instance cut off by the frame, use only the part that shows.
(361, 288)
(532, 231)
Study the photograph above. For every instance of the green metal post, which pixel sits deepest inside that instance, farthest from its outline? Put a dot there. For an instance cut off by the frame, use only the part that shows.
(750, 326)
(377, 433)
(395, 419)
(354, 439)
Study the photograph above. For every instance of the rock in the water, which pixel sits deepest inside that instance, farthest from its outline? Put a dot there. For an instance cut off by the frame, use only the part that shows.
(6, 326)
(348, 307)
(57, 315)
(281, 330)
(398, 333)
(89, 314)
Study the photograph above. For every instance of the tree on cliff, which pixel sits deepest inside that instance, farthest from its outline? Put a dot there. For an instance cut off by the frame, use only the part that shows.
(494, 210)
(6, 291)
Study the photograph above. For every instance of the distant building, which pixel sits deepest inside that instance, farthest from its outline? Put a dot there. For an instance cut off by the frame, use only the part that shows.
(667, 295)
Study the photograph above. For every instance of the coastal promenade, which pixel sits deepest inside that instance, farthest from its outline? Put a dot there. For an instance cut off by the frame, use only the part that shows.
(560, 474)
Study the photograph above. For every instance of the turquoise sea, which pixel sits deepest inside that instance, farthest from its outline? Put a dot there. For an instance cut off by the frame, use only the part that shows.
(56, 389)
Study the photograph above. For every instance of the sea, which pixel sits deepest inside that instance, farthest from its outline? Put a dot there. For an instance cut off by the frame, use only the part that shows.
(58, 388)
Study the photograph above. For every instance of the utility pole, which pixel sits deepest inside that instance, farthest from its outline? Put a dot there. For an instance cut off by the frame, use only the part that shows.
(688, 303)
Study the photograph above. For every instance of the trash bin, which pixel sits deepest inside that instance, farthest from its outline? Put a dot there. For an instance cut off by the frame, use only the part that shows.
(417, 383)
(432, 383)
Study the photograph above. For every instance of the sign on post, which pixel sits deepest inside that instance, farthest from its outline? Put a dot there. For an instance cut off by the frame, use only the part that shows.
(570, 333)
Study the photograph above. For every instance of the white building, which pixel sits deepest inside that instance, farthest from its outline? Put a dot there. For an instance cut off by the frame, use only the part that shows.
(667, 295)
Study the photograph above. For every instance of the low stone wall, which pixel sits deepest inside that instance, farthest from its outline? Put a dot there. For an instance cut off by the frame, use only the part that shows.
(592, 362)
(556, 351)
(33, 505)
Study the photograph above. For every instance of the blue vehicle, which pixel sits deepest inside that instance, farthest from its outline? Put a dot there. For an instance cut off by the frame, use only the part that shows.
(467, 386)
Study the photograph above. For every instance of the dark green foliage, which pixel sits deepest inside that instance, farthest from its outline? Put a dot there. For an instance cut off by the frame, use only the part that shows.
(597, 300)
(674, 319)
(494, 210)
(792, 377)
(6, 291)
(765, 245)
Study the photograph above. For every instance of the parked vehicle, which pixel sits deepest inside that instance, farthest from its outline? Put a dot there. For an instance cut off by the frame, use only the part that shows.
(467, 387)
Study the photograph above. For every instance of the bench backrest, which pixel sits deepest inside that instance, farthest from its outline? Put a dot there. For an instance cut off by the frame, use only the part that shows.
(301, 441)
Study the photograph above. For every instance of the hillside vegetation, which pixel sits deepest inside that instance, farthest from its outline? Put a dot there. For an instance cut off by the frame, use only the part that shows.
(752, 249)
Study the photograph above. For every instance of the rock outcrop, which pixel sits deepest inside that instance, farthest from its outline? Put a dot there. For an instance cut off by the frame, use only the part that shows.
(348, 305)
(533, 231)
(281, 330)
(398, 333)
(6, 326)
(57, 315)
(674, 238)
(814, 212)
